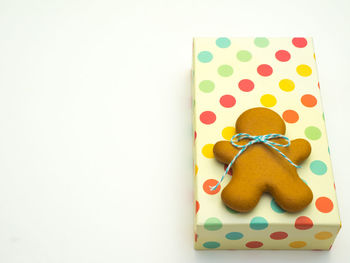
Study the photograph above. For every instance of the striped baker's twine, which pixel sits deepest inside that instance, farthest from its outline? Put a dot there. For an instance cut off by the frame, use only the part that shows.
(255, 139)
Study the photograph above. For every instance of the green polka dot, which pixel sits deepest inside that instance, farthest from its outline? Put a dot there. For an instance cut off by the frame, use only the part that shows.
(234, 236)
(205, 56)
(258, 223)
(318, 167)
(212, 224)
(275, 207)
(303, 180)
(225, 70)
(211, 244)
(244, 55)
(261, 42)
(206, 86)
(313, 133)
(223, 42)
(231, 210)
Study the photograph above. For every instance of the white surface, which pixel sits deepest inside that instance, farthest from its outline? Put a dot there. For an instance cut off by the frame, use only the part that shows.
(95, 125)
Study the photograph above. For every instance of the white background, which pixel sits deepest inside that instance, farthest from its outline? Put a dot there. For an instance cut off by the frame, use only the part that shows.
(95, 123)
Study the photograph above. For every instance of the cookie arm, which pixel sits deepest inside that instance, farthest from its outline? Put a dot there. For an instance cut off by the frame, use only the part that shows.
(298, 150)
(224, 151)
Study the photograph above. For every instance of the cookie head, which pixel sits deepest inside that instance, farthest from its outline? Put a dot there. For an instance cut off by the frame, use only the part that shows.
(260, 121)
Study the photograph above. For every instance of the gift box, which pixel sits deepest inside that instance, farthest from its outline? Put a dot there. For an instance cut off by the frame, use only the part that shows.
(230, 76)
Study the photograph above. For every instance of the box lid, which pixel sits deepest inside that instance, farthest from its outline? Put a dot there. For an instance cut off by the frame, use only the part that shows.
(231, 75)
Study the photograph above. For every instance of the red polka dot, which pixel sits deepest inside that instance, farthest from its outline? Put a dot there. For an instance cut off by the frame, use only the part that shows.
(207, 117)
(324, 204)
(211, 183)
(254, 244)
(299, 42)
(290, 116)
(195, 237)
(279, 235)
(195, 135)
(197, 206)
(246, 85)
(264, 70)
(318, 84)
(229, 171)
(282, 55)
(303, 223)
(227, 101)
(308, 100)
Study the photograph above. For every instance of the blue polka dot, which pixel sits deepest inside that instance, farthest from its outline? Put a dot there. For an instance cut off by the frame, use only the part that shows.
(234, 235)
(211, 244)
(223, 42)
(318, 167)
(258, 223)
(276, 208)
(205, 56)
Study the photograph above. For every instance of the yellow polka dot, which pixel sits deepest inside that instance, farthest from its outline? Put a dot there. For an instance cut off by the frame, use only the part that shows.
(228, 132)
(314, 56)
(297, 244)
(286, 85)
(207, 150)
(268, 100)
(195, 169)
(304, 70)
(323, 235)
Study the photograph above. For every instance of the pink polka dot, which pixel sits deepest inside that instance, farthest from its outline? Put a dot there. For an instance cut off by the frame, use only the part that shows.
(324, 204)
(299, 42)
(211, 183)
(254, 244)
(264, 70)
(246, 85)
(197, 206)
(279, 235)
(303, 223)
(227, 101)
(207, 117)
(282, 55)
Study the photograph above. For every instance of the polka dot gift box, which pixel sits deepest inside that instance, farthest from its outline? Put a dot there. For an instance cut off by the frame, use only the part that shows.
(230, 76)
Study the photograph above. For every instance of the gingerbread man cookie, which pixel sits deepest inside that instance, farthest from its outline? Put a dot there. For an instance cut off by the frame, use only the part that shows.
(262, 169)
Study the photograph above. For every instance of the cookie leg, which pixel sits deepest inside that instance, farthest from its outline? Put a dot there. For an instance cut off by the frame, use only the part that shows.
(241, 195)
(292, 194)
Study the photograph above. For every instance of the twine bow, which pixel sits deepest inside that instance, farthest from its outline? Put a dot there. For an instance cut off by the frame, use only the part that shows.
(255, 139)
